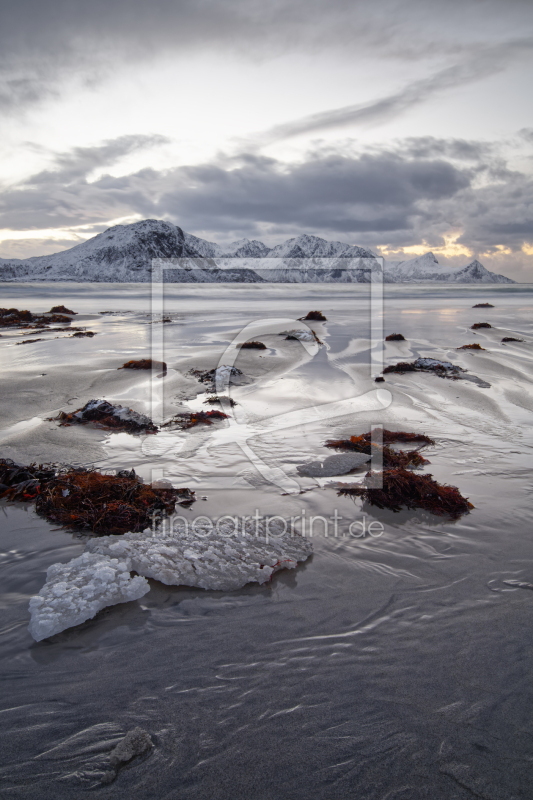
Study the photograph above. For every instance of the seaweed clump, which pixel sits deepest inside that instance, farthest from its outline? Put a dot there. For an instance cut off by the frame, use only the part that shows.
(190, 420)
(444, 369)
(475, 346)
(483, 305)
(105, 415)
(391, 458)
(253, 346)
(81, 334)
(22, 482)
(106, 504)
(478, 325)
(14, 318)
(61, 310)
(221, 375)
(216, 398)
(314, 316)
(511, 339)
(402, 488)
(395, 337)
(145, 363)
(85, 499)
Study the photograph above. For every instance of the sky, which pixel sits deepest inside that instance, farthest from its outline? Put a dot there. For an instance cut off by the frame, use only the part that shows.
(400, 126)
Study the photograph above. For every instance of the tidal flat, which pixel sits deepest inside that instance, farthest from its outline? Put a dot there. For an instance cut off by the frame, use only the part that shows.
(394, 665)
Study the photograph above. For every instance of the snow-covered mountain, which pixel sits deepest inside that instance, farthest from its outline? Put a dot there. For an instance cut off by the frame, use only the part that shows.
(427, 268)
(124, 253)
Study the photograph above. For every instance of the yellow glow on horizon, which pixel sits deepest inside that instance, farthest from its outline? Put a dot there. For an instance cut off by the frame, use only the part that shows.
(527, 248)
(449, 249)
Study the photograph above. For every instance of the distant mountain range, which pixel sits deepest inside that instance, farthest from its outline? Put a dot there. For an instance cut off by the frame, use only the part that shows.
(124, 254)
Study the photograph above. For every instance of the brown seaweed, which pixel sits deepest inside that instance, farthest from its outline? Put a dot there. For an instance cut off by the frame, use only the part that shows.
(475, 346)
(209, 376)
(145, 363)
(61, 310)
(511, 339)
(193, 418)
(215, 398)
(315, 316)
(14, 318)
(478, 325)
(402, 366)
(105, 504)
(395, 337)
(108, 416)
(391, 458)
(483, 305)
(22, 483)
(86, 499)
(402, 488)
(81, 334)
(253, 346)
(444, 369)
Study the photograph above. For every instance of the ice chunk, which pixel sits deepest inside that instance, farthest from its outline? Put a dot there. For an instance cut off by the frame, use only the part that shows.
(76, 591)
(221, 556)
(302, 336)
(135, 743)
(333, 465)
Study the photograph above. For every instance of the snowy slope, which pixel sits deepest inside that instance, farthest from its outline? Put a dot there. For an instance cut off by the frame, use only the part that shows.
(427, 268)
(124, 253)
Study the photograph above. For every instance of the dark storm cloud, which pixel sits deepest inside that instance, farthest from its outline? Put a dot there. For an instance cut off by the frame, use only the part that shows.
(457, 149)
(376, 192)
(379, 198)
(341, 193)
(43, 44)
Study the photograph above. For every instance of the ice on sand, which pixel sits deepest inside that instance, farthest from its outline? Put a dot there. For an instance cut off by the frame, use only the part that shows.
(333, 465)
(221, 556)
(75, 592)
(209, 556)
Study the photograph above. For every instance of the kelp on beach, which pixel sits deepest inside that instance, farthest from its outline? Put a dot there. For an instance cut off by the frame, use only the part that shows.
(402, 488)
(191, 419)
(397, 486)
(14, 318)
(84, 499)
(391, 458)
(105, 504)
(108, 416)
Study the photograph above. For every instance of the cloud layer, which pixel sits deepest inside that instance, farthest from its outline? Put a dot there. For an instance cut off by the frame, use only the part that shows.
(42, 45)
(419, 190)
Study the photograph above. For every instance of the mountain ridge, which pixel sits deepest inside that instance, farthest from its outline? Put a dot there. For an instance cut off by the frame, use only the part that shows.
(124, 253)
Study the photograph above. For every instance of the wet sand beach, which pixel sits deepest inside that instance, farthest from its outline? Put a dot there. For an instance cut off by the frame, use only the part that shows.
(392, 666)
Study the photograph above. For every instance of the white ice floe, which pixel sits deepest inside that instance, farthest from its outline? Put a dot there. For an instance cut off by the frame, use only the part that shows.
(76, 591)
(206, 555)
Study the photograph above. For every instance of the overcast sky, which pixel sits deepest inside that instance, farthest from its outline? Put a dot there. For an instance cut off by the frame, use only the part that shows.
(402, 126)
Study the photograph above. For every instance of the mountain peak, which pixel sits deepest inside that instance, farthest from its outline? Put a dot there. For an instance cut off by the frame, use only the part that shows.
(124, 253)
